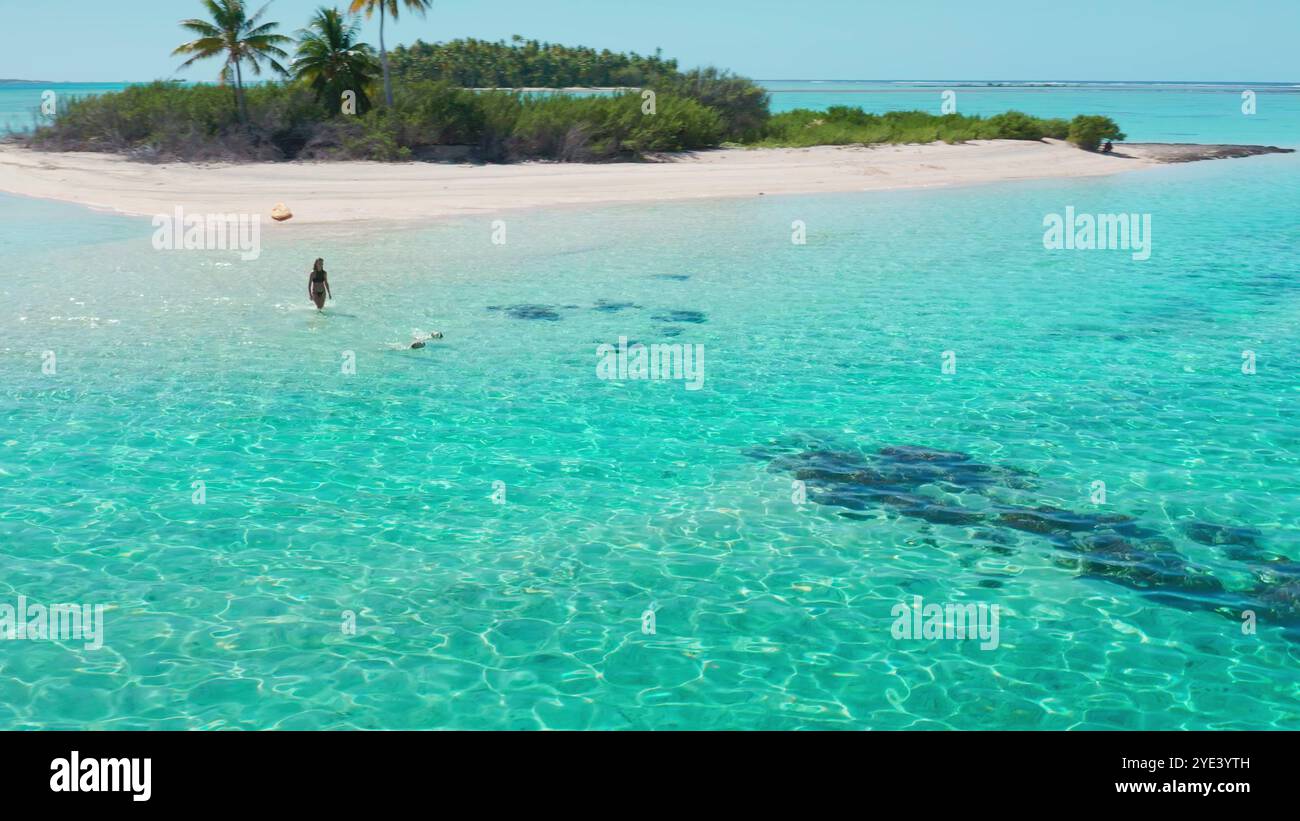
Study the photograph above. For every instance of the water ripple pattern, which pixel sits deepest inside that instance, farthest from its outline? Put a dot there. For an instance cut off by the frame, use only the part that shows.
(470, 535)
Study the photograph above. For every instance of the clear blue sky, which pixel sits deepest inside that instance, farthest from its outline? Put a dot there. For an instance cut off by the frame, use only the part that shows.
(94, 40)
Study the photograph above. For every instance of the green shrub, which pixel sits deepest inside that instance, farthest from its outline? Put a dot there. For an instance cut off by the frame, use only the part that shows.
(378, 141)
(438, 114)
(1056, 129)
(843, 125)
(741, 104)
(601, 128)
(164, 121)
(1088, 130)
(524, 63)
(1015, 125)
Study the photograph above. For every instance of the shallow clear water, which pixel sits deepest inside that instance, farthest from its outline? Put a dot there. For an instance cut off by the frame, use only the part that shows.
(372, 493)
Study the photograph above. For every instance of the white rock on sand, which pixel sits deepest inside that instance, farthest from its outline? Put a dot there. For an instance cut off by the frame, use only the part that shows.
(325, 192)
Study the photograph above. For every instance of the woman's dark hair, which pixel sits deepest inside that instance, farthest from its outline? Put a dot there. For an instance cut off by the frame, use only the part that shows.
(319, 264)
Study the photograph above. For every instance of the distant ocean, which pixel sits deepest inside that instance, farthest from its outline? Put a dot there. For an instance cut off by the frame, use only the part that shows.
(20, 103)
(484, 534)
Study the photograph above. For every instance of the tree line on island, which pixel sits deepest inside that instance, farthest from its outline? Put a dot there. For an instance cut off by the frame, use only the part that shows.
(337, 97)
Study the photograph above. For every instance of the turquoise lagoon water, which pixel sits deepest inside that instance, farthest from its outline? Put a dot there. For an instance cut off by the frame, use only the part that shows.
(20, 103)
(371, 493)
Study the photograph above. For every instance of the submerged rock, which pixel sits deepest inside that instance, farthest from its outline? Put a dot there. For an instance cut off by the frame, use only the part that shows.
(604, 306)
(1279, 570)
(1153, 564)
(545, 313)
(695, 317)
(945, 515)
(951, 467)
(1281, 602)
(914, 453)
(1109, 547)
(1192, 152)
(1212, 534)
(1241, 543)
(1276, 595)
(1156, 570)
(1045, 520)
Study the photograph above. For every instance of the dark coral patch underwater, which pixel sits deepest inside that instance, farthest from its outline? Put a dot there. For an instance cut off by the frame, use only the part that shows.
(673, 317)
(607, 307)
(546, 313)
(1108, 547)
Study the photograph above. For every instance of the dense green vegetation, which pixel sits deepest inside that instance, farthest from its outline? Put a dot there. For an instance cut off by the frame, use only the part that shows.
(739, 101)
(290, 121)
(526, 64)
(325, 107)
(532, 64)
(166, 121)
(293, 121)
(841, 125)
(505, 126)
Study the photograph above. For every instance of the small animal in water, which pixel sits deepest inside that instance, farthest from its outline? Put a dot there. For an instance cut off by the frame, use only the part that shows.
(420, 340)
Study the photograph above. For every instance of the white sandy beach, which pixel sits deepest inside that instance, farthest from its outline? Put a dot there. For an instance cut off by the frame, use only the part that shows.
(348, 191)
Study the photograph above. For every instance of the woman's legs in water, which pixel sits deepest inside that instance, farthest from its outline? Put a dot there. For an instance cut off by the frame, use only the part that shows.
(318, 296)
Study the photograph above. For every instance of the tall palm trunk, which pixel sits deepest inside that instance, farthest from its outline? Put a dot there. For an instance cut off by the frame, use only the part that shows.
(239, 92)
(234, 89)
(383, 60)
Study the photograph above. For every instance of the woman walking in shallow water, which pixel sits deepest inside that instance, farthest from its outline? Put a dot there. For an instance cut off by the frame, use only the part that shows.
(318, 285)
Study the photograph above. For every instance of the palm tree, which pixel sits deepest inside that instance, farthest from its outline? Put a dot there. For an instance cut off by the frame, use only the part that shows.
(387, 7)
(239, 38)
(331, 60)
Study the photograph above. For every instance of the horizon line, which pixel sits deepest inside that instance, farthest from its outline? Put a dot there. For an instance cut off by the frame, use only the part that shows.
(779, 80)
